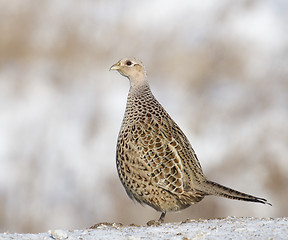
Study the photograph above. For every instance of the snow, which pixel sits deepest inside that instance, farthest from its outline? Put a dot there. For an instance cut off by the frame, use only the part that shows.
(227, 228)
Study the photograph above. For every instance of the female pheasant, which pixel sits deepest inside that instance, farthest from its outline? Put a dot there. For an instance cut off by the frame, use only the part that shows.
(155, 161)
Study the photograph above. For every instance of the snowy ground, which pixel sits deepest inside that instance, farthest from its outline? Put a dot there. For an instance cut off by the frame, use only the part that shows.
(228, 228)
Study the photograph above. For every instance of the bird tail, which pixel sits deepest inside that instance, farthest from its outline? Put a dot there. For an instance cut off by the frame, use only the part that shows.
(212, 188)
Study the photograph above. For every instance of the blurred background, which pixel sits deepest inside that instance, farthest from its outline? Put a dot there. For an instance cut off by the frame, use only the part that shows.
(220, 70)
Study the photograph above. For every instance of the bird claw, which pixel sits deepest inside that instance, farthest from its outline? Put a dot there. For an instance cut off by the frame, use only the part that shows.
(153, 223)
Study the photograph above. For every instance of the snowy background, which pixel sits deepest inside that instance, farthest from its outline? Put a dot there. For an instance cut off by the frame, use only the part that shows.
(220, 70)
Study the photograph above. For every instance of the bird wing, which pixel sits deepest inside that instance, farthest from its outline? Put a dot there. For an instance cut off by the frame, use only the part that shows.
(157, 154)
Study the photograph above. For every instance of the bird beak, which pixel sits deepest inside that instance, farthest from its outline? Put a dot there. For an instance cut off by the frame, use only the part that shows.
(115, 66)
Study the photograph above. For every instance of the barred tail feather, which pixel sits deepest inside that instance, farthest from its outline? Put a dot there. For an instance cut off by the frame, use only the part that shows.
(212, 188)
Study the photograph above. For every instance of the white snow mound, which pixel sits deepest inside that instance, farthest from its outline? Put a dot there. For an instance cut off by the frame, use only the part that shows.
(227, 228)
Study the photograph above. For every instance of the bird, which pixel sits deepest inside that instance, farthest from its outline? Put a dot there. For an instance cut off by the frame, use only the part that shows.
(155, 160)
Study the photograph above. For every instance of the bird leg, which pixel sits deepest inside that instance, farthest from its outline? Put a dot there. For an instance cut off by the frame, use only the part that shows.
(161, 219)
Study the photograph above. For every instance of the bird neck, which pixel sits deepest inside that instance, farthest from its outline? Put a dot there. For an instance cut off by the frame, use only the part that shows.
(140, 90)
(138, 80)
(138, 98)
(139, 85)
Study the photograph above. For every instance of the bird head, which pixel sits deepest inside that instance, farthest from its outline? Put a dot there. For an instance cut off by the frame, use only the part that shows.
(130, 68)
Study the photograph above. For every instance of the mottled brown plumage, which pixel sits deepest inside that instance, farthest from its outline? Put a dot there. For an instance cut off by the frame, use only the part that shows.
(155, 161)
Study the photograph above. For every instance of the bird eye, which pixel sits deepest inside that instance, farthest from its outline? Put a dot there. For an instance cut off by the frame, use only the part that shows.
(128, 63)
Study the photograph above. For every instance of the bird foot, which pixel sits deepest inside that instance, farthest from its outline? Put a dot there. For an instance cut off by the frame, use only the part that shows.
(153, 223)
(157, 222)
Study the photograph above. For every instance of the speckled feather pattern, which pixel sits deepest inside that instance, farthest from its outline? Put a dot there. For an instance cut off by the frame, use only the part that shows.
(150, 150)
